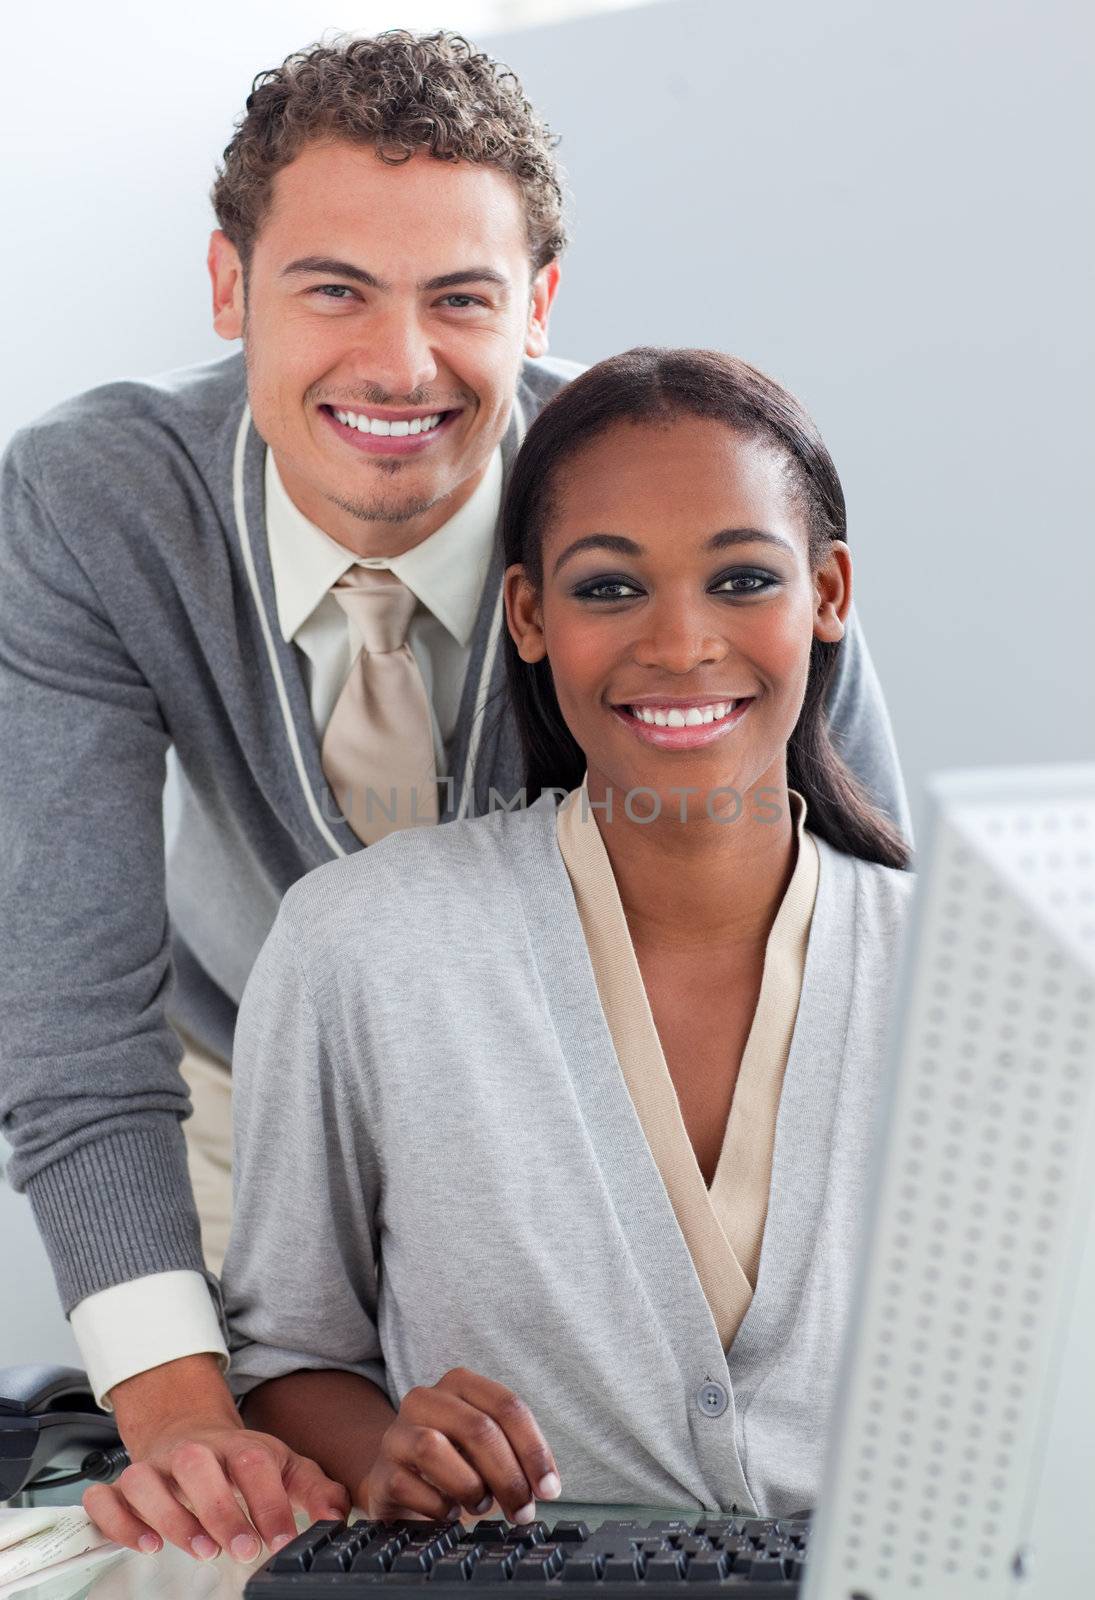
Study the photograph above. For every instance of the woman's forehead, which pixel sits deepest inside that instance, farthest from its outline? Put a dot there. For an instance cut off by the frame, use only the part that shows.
(681, 473)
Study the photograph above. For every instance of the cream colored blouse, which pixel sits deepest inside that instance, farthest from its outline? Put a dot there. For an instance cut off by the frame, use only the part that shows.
(722, 1226)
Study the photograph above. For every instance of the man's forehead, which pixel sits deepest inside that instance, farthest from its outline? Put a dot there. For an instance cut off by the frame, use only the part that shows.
(347, 194)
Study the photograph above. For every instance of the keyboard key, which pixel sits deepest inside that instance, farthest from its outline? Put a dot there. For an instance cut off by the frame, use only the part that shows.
(297, 1555)
(622, 1569)
(452, 1569)
(491, 1532)
(569, 1532)
(413, 1561)
(665, 1568)
(540, 1563)
(761, 1569)
(494, 1566)
(711, 1568)
(581, 1567)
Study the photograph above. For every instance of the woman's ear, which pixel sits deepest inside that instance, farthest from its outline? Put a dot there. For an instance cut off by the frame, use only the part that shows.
(833, 593)
(523, 615)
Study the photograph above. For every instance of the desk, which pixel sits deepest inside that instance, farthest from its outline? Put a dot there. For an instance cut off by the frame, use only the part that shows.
(174, 1576)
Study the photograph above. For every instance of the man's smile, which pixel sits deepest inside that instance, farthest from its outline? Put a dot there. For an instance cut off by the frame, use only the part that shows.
(383, 431)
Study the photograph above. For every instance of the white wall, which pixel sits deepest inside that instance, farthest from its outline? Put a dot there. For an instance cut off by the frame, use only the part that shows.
(886, 208)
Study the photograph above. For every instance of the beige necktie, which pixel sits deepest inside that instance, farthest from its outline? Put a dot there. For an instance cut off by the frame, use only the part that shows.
(380, 736)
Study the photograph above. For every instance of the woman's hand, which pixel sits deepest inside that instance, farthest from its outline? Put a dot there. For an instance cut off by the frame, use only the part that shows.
(187, 1490)
(465, 1441)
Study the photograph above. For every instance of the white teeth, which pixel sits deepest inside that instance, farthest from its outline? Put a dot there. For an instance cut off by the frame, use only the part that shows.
(381, 426)
(673, 717)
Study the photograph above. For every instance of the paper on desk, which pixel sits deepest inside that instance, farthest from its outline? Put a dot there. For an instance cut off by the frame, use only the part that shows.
(16, 1525)
(57, 1533)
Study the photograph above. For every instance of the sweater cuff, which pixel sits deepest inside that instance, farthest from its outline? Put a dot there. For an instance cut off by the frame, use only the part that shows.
(118, 1208)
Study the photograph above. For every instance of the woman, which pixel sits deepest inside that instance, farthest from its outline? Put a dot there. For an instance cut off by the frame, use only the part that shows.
(550, 1170)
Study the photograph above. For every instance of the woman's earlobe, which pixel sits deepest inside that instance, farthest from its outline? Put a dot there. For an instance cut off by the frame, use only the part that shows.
(828, 625)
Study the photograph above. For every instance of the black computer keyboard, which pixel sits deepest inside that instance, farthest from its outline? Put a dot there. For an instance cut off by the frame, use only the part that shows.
(747, 1557)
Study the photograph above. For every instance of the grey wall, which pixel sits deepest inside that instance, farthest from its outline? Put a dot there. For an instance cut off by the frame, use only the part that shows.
(885, 208)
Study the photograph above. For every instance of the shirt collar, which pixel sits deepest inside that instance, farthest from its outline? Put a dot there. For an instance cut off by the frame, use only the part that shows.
(445, 572)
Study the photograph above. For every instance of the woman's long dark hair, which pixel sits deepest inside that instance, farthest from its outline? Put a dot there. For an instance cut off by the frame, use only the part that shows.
(646, 385)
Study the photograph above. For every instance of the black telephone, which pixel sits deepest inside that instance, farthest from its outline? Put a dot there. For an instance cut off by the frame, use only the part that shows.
(52, 1432)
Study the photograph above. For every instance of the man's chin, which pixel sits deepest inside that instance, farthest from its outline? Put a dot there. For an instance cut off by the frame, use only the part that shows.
(386, 508)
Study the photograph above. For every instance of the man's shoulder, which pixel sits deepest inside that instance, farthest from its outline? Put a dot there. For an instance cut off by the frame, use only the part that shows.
(131, 422)
(541, 380)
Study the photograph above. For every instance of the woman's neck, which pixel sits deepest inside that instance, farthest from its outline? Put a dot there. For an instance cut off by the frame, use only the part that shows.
(701, 883)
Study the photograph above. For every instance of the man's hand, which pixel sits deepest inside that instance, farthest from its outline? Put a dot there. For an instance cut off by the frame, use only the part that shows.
(193, 1460)
(464, 1441)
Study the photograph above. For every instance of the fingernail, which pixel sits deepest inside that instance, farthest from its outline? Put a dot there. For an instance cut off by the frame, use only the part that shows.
(204, 1548)
(484, 1505)
(150, 1544)
(279, 1541)
(526, 1513)
(549, 1486)
(245, 1547)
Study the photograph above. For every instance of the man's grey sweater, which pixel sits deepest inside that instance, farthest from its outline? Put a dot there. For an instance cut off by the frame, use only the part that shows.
(137, 612)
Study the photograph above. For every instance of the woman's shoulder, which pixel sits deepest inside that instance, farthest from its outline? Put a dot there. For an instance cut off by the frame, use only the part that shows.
(438, 876)
(883, 895)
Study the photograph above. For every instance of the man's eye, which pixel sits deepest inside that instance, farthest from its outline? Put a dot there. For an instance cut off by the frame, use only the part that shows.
(606, 589)
(459, 301)
(333, 291)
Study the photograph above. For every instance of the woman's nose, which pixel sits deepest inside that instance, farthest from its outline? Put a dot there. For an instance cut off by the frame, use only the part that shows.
(677, 638)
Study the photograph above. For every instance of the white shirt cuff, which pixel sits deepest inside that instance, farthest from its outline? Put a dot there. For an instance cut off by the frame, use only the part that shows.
(141, 1324)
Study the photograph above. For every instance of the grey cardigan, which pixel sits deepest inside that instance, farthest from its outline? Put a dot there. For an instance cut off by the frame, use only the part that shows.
(438, 1163)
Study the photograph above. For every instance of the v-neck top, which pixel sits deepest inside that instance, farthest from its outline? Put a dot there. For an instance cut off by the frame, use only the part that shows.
(439, 1164)
(722, 1225)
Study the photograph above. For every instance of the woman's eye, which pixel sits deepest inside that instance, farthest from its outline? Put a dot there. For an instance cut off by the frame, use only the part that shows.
(607, 589)
(745, 583)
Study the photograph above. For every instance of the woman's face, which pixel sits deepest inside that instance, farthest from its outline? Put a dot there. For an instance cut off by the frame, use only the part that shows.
(678, 609)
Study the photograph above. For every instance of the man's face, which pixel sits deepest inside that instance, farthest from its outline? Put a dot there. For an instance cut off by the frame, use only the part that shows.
(383, 298)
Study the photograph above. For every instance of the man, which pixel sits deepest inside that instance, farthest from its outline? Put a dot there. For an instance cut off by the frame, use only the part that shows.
(284, 566)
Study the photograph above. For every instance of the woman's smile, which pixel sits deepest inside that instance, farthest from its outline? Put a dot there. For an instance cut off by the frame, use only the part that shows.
(672, 724)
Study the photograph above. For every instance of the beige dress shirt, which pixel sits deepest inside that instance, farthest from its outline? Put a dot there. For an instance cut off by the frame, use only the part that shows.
(723, 1226)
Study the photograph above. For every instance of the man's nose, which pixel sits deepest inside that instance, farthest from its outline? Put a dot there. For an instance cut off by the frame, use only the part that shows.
(395, 353)
(677, 636)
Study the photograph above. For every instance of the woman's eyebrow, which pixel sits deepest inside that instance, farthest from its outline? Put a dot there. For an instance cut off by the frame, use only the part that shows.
(620, 546)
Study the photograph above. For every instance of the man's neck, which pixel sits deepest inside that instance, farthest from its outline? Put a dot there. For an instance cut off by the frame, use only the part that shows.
(701, 884)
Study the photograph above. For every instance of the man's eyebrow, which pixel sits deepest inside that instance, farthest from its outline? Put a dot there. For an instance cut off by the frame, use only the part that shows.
(616, 544)
(452, 280)
(334, 268)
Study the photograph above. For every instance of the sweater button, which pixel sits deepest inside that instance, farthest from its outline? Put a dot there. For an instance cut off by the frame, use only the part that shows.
(712, 1399)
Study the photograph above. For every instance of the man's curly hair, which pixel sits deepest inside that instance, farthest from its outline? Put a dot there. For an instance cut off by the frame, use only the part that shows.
(401, 93)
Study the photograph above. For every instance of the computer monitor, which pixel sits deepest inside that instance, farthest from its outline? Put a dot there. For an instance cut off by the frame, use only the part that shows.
(980, 1228)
